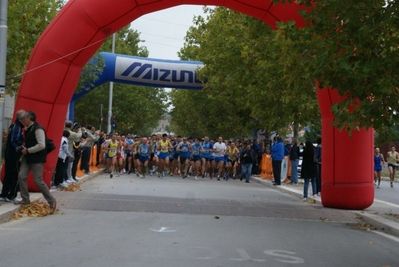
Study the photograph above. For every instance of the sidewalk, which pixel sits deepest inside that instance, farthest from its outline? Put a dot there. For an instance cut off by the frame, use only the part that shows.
(384, 216)
(7, 209)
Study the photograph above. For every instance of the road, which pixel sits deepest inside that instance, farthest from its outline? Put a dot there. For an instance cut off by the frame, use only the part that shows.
(386, 193)
(127, 221)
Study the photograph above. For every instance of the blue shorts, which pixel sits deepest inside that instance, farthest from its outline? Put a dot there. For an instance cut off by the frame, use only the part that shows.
(176, 155)
(143, 159)
(217, 159)
(378, 169)
(195, 158)
(206, 158)
(163, 155)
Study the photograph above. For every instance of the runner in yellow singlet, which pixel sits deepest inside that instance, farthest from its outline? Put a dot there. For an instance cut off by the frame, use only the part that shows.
(112, 149)
(392, 159)
(232, 156)
(164, 146)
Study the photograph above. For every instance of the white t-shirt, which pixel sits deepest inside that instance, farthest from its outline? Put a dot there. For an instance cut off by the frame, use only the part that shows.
(220, 147)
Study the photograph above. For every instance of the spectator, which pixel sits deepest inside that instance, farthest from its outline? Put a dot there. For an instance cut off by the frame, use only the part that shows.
(258, 152)
(62, 162)
(12, 159)
(277, 154)
(34, 151)
(318, 160)
(309, 169)
(91, 136)
(75, 133)
(294, 158)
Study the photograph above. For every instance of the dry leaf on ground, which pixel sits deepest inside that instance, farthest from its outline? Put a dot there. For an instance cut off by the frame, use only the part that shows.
(35, 209)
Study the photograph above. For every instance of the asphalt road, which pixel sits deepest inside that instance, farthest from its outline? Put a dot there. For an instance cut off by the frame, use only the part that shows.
(127, 221)
(386, 193)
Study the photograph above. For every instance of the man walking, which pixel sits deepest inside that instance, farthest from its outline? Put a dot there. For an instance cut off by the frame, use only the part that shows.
(34, 156)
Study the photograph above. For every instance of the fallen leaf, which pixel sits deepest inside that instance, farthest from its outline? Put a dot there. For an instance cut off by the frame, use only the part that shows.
(73, 188)
(35, 209)
(178, 205)
(311, 201)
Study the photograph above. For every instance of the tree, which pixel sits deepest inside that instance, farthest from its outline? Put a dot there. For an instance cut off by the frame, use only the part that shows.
(245, 77)
(136, 108)
(26, 21)
(352, 46)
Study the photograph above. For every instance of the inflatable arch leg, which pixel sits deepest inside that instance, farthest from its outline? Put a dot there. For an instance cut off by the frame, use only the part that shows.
(347, 177)
(80, 28)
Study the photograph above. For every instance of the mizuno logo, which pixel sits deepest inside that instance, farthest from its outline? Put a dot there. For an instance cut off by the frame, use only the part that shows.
(148, 72)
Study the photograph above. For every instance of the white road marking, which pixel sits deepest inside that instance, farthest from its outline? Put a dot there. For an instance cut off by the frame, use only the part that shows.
(163, 230)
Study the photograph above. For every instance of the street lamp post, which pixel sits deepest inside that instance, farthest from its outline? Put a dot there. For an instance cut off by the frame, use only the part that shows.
(111, 88)
(3, 60)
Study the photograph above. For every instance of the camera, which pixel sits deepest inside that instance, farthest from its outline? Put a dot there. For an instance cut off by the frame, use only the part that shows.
(18, 149)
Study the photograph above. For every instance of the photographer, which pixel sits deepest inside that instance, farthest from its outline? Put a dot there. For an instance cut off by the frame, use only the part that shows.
(75, 133)
(91, 136)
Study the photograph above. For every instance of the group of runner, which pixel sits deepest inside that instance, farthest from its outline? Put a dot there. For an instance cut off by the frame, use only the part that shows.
(163, 155)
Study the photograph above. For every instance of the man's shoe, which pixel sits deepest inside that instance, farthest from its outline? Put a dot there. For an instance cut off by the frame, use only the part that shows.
(22, 202)
(53, 206)
(2, 198)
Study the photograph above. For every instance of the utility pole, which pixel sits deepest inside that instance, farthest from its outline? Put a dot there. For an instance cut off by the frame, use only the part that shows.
(3, 60)
(111, 88)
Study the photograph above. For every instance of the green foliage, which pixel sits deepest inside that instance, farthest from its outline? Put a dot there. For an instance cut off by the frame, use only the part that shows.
(252, 78)
(352, 46)
(137, 109)
(26, 21)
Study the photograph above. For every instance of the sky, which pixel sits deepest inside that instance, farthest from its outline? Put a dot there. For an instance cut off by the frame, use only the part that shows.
(164, 31)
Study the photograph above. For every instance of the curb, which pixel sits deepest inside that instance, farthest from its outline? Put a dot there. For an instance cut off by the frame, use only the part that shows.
(7, 209)
(380, 223)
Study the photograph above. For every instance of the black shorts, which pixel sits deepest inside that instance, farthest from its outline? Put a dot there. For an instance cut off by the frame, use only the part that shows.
(136, 156)
(232, 162)
(183, 160)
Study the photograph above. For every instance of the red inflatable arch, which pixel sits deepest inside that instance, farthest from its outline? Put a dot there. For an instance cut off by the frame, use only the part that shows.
(82, 26)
